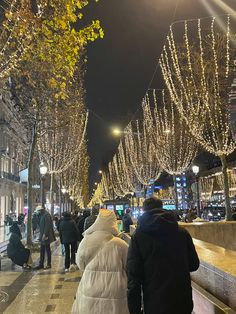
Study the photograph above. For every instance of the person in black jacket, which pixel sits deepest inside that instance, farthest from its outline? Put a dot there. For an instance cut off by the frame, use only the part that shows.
(69, 235)
(16, 250)
(80, 223)
(127, 220)
(90, 220)
(160, 258)
(46, 237)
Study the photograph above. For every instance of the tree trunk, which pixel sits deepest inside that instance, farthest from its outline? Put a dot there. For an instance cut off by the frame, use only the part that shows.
(52, 194)
(228, 213)
(176, 193)
(30, 183)
(60, 197)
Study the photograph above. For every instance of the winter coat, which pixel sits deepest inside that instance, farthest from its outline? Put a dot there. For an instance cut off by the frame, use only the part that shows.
(80, 223)
(68, 230)
(46, 228)
(102, 257)
(35, 221)
(160, 258)
(16, 250)
(127, 221)
(89, 221)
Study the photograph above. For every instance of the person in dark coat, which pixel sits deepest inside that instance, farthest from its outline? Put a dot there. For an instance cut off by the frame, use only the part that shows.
(160, 258)
(127, 221)
(16, 250)
(46, 236)
(80, 223)
(89, 221)
(35, 222)
(69, 235)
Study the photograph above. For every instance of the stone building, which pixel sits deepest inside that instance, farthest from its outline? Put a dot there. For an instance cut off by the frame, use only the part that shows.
(13, 150)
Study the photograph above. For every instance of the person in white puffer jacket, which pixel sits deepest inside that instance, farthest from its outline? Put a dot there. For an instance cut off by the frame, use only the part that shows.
(102, 258)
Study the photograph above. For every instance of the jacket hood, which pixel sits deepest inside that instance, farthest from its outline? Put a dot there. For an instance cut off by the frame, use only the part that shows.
(158, 222)
(106, 221)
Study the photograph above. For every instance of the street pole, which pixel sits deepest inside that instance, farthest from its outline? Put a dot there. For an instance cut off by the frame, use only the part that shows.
(176, 193)
(42, 191)
(198, 198)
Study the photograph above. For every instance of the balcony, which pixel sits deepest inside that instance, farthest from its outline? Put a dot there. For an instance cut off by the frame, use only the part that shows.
(9, 176)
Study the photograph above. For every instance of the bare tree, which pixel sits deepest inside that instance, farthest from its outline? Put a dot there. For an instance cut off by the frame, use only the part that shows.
(198, 69)
(174, 146)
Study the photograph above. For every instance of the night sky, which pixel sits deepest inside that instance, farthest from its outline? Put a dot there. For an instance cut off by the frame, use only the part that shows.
(121, 66)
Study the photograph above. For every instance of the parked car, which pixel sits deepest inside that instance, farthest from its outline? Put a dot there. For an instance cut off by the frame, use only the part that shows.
(214, 213)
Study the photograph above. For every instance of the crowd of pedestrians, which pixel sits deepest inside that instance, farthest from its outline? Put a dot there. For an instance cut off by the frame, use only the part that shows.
(151, 275)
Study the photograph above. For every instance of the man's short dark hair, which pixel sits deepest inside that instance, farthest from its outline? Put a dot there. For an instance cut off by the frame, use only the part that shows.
(152, 203)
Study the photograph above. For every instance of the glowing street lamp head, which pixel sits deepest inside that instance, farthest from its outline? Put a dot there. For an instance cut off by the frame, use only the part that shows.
(100, 171)
(117, 132)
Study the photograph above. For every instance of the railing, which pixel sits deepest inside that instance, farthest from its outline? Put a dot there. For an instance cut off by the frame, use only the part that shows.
(9, 176)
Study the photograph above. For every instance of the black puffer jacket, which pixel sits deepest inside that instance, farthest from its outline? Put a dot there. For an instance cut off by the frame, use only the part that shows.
(160, 259)
(68, 230)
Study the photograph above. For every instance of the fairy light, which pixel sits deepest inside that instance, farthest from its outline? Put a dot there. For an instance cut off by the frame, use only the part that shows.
(19, 28)
(174, 146)
(200, 93)
(201, 98)
(142, 152)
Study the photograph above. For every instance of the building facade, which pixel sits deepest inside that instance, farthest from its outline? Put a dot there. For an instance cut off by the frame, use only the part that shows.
(13, 150)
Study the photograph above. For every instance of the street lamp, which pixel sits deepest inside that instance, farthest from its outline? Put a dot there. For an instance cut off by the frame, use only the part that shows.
(43, 169)
(117, 132)
(100, 171)
(196, 171)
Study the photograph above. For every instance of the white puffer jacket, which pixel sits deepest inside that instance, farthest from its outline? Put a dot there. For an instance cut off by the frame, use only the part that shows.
(102, 256)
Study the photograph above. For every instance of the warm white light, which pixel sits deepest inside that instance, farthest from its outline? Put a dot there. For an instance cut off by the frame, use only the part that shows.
(195, 169)
(100, 171)
(167, 131)
(63, 190)
(43, 169)
(71, 198)
(96, 183)
(117, 132)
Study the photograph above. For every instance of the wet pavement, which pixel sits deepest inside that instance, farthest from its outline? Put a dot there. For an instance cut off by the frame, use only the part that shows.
(36, 292)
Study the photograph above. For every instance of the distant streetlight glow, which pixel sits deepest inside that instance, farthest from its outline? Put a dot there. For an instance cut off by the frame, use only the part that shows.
(96, 183)
(43, 169)
(100, 171)
(63, 190)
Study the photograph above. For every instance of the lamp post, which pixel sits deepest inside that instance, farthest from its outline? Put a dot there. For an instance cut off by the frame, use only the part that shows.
(196, 171)
(132, 200)
(63, 190)
(43, 169)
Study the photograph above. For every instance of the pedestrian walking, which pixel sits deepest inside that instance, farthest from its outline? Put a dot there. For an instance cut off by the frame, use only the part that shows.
(35, 223)
(91, 219)
(69, 235)
(102, 258)
(160, 258)
(15, 249)
(81, 221)
(46, 236)
(127, 220)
